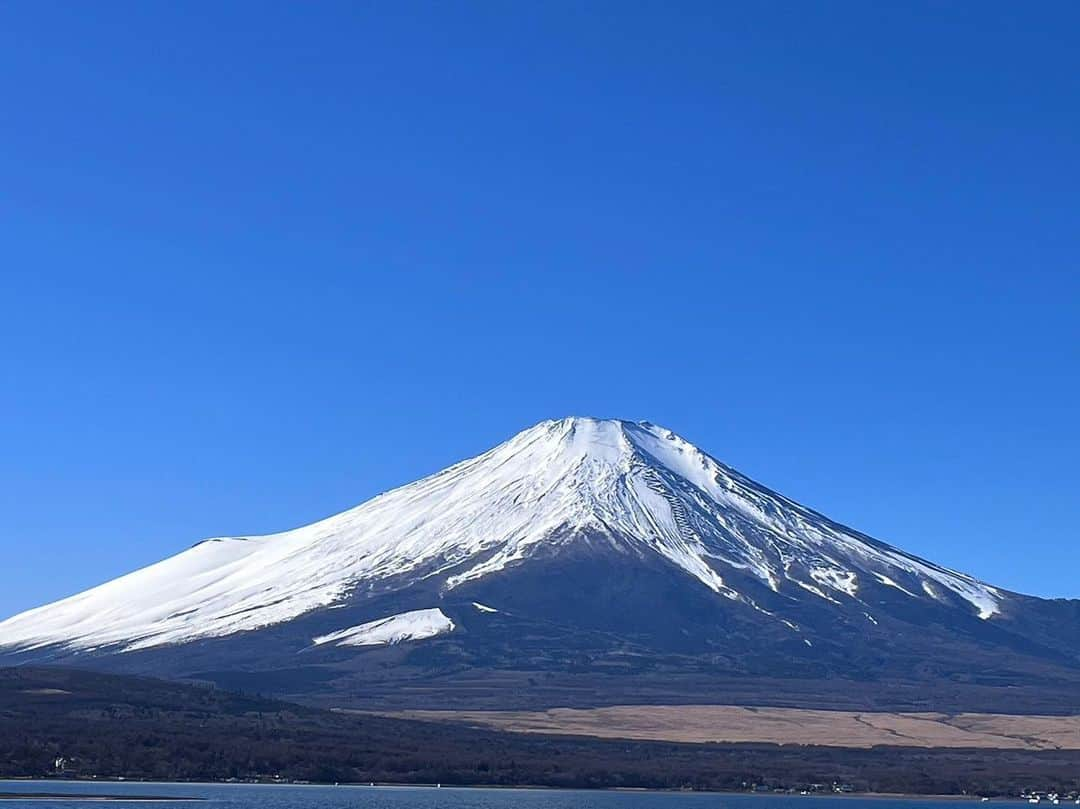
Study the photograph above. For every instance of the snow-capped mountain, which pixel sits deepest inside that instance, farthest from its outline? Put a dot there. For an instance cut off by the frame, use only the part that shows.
(615, 541)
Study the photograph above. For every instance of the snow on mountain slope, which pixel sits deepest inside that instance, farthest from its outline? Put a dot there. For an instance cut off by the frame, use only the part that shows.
(635, 487)
(414, 625)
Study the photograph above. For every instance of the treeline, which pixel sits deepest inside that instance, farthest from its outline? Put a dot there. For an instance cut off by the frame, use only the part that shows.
(107, 726)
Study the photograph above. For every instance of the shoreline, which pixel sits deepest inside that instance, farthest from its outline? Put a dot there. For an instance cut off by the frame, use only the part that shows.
(8, 796)
(83, 797)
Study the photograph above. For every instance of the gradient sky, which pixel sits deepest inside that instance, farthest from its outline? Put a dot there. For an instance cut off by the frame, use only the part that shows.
(261, 261)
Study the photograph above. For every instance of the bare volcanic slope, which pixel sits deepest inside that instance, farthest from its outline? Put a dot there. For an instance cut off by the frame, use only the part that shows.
(582, 562)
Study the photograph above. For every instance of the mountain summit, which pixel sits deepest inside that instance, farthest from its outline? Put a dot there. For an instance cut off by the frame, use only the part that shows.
(586, 547)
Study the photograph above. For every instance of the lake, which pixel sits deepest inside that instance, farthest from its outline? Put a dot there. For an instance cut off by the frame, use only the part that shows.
(250, 796)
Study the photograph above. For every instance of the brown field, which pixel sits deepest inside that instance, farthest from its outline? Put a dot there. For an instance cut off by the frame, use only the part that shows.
(728, 723)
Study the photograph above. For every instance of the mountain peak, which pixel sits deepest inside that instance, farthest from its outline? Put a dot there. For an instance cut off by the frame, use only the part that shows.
(617, 442)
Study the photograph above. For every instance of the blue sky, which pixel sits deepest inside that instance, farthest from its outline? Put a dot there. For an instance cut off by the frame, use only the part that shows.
(261, 261)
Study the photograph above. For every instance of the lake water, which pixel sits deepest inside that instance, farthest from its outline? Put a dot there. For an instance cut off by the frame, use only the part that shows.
(244, 796)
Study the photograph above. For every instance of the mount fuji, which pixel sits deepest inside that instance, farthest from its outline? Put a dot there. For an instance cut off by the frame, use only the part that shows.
(583, 561)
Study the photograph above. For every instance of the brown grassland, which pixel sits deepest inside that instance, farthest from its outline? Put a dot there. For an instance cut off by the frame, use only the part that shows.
(734, 724)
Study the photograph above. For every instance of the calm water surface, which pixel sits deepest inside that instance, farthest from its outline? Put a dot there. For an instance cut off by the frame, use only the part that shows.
(243, 796)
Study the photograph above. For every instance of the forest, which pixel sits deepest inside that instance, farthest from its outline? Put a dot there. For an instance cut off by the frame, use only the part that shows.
(67, 723)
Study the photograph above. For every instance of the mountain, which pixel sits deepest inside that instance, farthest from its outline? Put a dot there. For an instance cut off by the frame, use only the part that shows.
(582, 561)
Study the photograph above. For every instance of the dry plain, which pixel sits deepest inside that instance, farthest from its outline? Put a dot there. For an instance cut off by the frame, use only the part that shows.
(728, 723)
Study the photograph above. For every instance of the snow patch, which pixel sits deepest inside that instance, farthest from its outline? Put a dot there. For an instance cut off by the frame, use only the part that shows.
(415, 625)
(890, 583)
(819, 593)
(842, 580)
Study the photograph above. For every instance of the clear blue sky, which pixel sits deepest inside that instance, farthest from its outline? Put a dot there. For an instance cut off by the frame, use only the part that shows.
(261, 261)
